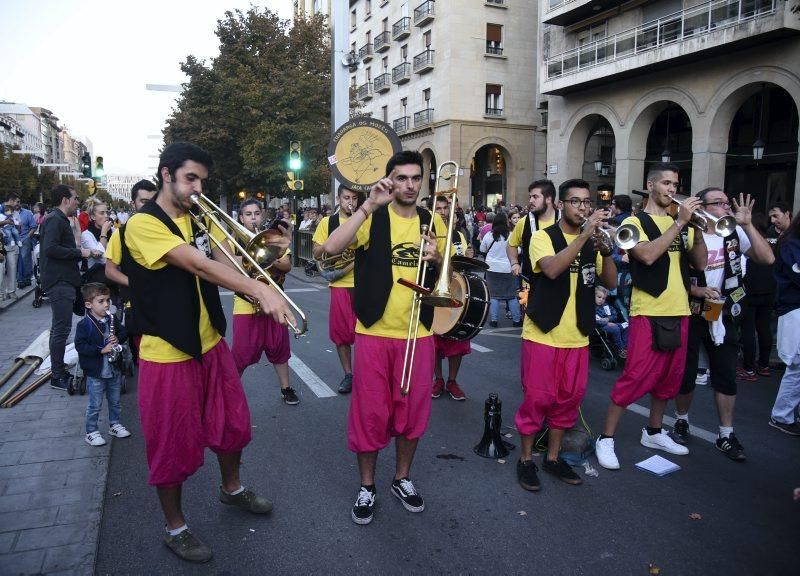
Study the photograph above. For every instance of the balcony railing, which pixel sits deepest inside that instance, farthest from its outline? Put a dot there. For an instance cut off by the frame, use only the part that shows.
(382, 83)
(423, 117)
(424, 13)
(401, 28)
(676, 27)
(382, 41)
(401, 73)
(500, 2)
(400, 124)
(494, 111)
(423, 62)
(365, 53)
(365, 91)
(492, 48)
(553, 4)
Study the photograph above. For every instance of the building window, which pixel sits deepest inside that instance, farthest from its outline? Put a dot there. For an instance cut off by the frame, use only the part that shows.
(369, 37)
(404, 105)
(385, 62)
(591, 33)
(369, 73)
(404, 52)
(353, 19)
(385, 24)
(404, 9)
(426, 39)
(426, 95)
(494, 100)
(385, 113)
(368, 8)
(494, 39)
(352, 81)
(353, 48)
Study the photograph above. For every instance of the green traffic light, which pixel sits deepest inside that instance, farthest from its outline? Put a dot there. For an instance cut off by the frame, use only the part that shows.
(295, 163)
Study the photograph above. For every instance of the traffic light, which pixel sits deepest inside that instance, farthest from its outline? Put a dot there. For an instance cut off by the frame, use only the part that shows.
(295, 155)
(99, 172)
(298, 185)
(293, 184)
(86, 165)
(91, 187)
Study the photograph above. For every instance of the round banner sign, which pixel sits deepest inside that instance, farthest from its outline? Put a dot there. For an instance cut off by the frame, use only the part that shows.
(359, 151)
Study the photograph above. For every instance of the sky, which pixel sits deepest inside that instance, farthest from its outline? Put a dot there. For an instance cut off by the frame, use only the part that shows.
(89, 62)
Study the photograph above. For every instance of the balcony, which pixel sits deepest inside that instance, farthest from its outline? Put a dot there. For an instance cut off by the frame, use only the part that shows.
(493, 49)
(708, 29)
(401, 29)
(423, 62)
(382, 83)
(496, 112)
(423, 117)
(496, 2)
(401, 125)
(365, 53)
(364, 91)
(401, 73)
(567, 12)
(382, 40)
(424, 13)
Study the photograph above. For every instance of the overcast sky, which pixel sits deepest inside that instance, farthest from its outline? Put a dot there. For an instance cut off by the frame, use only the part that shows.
(89, 61)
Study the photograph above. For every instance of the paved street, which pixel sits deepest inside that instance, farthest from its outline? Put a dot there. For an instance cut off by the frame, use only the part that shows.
(53, 487)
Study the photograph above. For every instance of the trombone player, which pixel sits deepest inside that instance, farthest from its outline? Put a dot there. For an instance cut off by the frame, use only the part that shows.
(190, 396)
(341, 317)
(386, 230)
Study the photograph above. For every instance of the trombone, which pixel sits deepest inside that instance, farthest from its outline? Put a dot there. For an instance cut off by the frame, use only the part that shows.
(702, 220)
(258, 253)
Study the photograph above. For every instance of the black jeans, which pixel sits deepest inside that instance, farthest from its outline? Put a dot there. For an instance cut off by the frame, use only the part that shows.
(62, 297)
(757, 320)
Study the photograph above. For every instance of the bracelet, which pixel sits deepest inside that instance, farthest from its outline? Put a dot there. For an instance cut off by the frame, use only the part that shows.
(364, 210)
(515, 263)
(103, 237)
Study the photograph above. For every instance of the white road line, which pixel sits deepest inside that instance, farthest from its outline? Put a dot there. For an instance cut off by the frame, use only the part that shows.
(311, 380)
(225, 293)
(302, 289)
(694, 430)
(479, 348)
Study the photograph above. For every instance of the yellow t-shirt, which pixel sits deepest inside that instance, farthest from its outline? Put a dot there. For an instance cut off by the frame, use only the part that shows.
(321, 234)
(242, 306)
(566, 334)
(114, 249)
(516, 235)
(674, 301)
(405, 251)
(148, 240)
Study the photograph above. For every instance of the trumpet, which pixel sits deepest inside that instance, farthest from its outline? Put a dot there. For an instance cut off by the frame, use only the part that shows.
(627, 236)
(257, 251)
(601, 236)
(702, 220)
(337, 262)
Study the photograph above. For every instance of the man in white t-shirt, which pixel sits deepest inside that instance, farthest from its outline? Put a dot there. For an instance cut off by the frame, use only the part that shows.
(723, 280)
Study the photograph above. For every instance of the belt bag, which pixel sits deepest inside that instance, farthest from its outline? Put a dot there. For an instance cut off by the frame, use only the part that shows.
(666, 332)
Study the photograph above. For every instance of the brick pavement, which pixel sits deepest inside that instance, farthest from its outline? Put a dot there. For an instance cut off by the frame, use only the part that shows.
(52, 483)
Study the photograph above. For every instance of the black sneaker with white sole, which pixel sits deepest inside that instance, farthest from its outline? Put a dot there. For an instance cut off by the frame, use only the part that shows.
(732, 448)
(407, 494)
(362, 509)
(289, 396)
(792, 429)
(680, 432)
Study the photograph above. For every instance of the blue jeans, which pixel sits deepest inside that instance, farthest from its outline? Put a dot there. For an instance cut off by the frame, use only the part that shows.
(513, 305)
(618, 335)
(96, 388)
(25, 264)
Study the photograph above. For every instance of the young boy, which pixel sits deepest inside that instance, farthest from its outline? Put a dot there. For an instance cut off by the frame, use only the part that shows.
(95, 343)
(607, 318)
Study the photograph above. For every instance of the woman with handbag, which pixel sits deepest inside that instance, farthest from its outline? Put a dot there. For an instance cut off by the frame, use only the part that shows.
(502, 284)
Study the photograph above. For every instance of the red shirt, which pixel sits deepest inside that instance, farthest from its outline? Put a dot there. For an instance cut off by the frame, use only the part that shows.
(83, 220)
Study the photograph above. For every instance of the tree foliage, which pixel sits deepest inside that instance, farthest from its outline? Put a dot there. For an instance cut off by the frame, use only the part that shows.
(269, 85)
(19, 176)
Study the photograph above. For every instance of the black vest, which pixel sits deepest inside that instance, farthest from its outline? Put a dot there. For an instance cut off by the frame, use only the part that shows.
(550, 296)
(527, 234)
(653, 279)
(333, 223)
(373, 271)
(166, 300)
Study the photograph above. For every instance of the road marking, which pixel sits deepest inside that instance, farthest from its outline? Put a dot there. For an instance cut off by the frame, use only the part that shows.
(495, 333)
(479, 348)
(669, 420)
(302, 289)
(311, 380)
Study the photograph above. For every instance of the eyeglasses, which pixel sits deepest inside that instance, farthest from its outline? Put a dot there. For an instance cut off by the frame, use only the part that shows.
(722, 203)
(575, 202)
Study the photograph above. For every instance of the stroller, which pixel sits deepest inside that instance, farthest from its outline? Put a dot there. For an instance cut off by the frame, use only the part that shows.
(600, 347)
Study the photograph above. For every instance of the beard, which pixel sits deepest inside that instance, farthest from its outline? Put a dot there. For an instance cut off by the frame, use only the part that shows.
(539, 211)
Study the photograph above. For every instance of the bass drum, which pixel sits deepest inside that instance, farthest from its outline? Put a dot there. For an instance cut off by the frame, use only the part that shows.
(465, 322)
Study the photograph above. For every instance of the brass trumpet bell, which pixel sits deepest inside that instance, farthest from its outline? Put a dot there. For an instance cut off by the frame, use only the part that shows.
(261, 248)
(627, 236)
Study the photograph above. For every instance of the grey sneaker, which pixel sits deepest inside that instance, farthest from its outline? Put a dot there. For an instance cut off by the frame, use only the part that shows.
(792, 429)
(346, 385)
(187, 547)
(246, 500)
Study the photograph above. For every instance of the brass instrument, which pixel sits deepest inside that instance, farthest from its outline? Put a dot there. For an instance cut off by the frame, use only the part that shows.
(333, 267)
(116, 350)
(413, 321)
(600, 235)
(627, 236)
(257, 251)
(702, 220)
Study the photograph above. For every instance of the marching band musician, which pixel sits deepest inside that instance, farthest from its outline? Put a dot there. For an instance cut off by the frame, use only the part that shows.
(386, 230)
(555, 335)
(190, 394)
(453, 350)
(541, 214)
(341, 317)
(256, 334)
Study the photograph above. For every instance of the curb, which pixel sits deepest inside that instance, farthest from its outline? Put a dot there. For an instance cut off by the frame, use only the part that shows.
(21, 294)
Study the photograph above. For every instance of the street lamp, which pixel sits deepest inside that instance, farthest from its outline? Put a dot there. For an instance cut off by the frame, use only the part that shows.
(759, 145)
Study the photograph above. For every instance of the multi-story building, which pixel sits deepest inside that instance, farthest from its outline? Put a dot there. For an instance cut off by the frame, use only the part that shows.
(712, 85)
(11, 132)
(31, 127)
(119, 186)
(457, 81)
(51, 135)
(304, 8)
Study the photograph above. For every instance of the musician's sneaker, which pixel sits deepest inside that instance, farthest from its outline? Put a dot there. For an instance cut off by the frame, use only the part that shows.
(732, 448)
(604, 449)
(438, 387)
(187, 547)
(346, 385)
(455, 391)
(562, 471)
(407, 494)
(119, 431)
(95, 439)
(526, 475)
(246, 500)
(680, 432)
(289, 396)
(362, 509)
(662, 441)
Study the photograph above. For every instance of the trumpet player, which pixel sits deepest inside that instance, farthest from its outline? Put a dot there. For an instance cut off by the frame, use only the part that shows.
(341, 316)
(722, 280)
(567, 261)
(256, 334)
(658, 324)
(541, 214)
(190, 395)
(386, 230)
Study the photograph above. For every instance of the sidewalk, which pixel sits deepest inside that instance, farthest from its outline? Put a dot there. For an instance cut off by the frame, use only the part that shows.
(52, 483)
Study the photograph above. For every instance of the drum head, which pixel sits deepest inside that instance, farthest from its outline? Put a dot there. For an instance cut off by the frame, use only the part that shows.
(466, 264)
(445, 319)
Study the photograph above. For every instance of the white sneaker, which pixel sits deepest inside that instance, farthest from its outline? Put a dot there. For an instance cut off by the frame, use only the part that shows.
(119, 431)
(702, 378)
(662, 441)
(604, 448)
(95, 439)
